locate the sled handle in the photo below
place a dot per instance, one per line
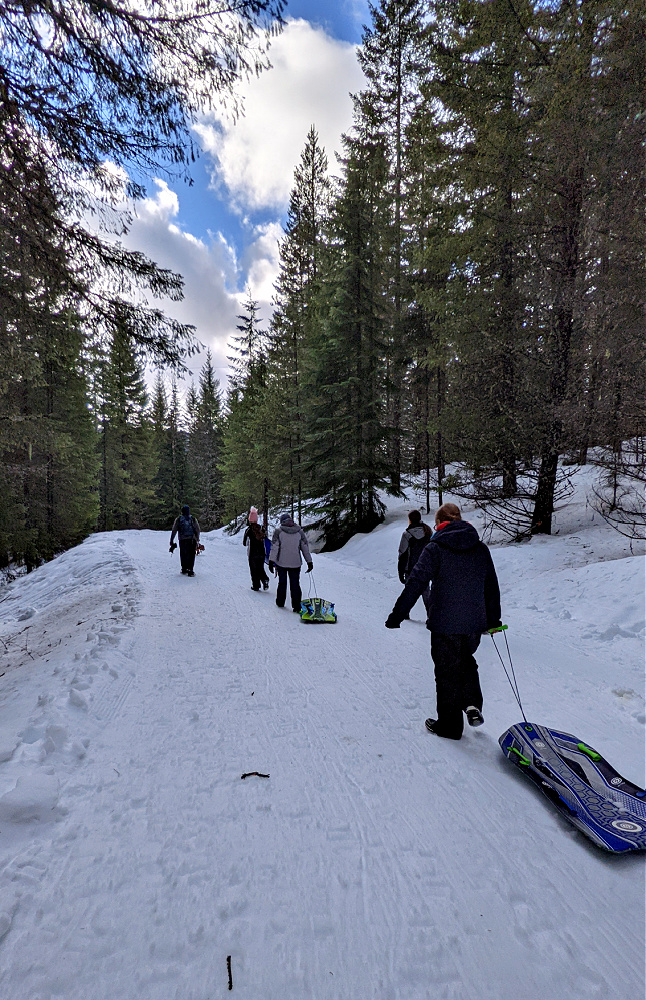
(500, 628)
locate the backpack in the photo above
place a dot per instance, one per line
(256, 539)
(185, 527)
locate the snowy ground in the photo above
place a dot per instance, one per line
(376, 862)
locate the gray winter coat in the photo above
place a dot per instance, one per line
(410, 548)
(287, 544)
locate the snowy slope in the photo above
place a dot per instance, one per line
(376, 862)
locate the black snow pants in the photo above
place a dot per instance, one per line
(187, 547)
(457, 684)
(294, 587)
(257, 570)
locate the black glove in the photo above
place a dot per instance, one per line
(392, 622)
(172, 547)
(310, 567)
(271, 567)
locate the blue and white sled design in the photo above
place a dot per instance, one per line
(316, 611)
(589, 792)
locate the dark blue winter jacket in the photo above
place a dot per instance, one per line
(465, 597)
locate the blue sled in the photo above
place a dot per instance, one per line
(585, 788)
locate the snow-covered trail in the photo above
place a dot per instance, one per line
(375, 862)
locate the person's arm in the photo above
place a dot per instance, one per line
(174, 531)
(274, 553)
(402, 557)
(492, 595)
(305, 549)
(196, 529)
(420, 576)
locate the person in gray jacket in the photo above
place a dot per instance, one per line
(288, 543)
(412, 544)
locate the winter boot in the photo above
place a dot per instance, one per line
(474, 716)
(431, 725)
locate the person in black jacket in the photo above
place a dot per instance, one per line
(412, 544)
(188, 531)
(254, 537)
(465, 602)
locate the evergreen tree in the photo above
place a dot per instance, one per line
(392, 60)
(346, 378)
(127, 459)
(243, 464)
(293, 319)
(204, 447)
(484, 67)
(46, 434)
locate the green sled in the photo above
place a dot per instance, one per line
(316, 611)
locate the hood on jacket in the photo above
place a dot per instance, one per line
(419, 531)
(290, 527)
(287, 522)
(457, 535)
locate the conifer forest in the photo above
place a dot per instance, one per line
(461, 297)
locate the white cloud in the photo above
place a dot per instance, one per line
(210, 271)
(310, 81)
(260, 263)
(164, 205)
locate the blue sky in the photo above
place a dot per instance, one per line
(222, 232)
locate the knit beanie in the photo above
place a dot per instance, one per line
(253, 516)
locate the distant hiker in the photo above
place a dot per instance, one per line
(254, 538)
(413, 542)
(288, 543)
(188, 531)
(465, 602)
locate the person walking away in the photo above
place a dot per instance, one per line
(287, 546)
(413, 541)
(188, 532)
(254, 539)
(465, 602)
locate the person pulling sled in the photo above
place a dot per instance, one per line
(288, 543)
(188, 532)
(254, 539)
(464, 603)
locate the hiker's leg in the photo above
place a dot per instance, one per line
(281, 591)
(295, 588)
(470, 681)
(445, 651)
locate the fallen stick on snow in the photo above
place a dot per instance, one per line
(249, 773)
(229, 971)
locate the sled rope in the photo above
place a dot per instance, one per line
(513, 683)
(312, 583)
